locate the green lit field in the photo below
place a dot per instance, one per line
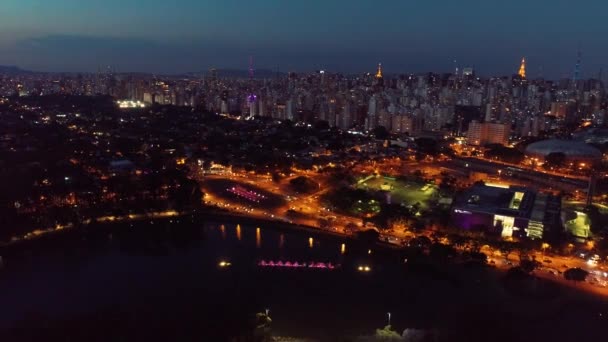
(579, 225)
(406, 192)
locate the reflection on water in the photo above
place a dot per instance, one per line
(238, 232)
(258, 238)
(140, 260)
(183, 275)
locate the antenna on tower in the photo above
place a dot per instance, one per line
(577, 67)
(250, 67)
(252, 97)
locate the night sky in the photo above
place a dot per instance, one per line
(349, 36)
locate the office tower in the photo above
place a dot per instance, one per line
(577, 68)
(290, 110)
(345, 119)
(372, 108)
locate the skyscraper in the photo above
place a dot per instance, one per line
(577, 69)
(252, 97)
(370, 121)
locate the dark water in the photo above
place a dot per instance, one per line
(162, 282)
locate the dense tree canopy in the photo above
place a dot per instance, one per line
(555, 159)
(505, 154)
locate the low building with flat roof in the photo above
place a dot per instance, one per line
(506, 211)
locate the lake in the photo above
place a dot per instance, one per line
(161, 281)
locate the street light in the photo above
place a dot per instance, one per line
(389, 318)
(543, 247)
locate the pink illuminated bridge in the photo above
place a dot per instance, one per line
(289, 264)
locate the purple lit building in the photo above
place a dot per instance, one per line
(506, 211)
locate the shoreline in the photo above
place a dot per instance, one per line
(205, 216)
(201, 216)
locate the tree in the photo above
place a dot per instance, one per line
(479, 257)
(276, 177)
(369, 236)
(381, 133)
(322, 125)
(505, 154)
(556, 159)
(427, 146)
(262, 330)
(576, 274)
(528, 265)
(387, 334)
(419, 225)
(421, 241)
(441, 252)
(506, 247)
(304, 184)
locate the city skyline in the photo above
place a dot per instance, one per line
(275, 170)
(192, 36)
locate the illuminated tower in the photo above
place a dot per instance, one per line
(522, 68)
(379, 72)
(250, 68)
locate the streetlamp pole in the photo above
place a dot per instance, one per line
(389, 318)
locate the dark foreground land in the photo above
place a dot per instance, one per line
(160, 281)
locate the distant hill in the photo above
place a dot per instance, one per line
(222, 73)
(12, 70)
(236, 73)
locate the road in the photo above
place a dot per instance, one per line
(303, 209)
(308, 212)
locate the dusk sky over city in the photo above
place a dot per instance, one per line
(406, 36)
(303, 171)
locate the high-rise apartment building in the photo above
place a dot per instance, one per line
(480, 134)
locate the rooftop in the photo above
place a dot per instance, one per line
(571, 148)
(497, 200)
